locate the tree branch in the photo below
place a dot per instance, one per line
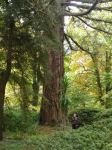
(67, 37)
(98, 20)
(95, 28)
(90, 1)
(87, 7)
(69, 43)
(83, 13)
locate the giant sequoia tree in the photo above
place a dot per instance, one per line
(51, 111)
(53, 89)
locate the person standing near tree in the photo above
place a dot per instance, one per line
(74, 121)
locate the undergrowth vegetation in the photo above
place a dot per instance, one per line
(94, 136)
(16, 121)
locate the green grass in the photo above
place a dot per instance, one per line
(97, 136)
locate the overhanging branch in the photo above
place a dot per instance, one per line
(82, 6)
(83, 13)
(68, 38)
(90, 1)
(98, 20)
(95, 28)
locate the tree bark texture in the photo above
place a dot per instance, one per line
(4, 76)
(51, 112)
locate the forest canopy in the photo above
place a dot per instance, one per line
(55, 60)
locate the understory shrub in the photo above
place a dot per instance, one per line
(85, 116)
(97, 136)
(16, 121)
(103, 114)
(94, 136)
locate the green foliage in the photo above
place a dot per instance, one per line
(104, 114)
(16, 121)
(96, 136)
(80, 99)
(65, 100)
(85, 116)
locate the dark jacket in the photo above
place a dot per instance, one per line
(74, 122)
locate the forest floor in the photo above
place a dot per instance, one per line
(96, 136)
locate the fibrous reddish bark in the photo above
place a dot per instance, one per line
(51, 112)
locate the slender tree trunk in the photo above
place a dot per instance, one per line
(35, 84)
(2, 95)
(108, 77)
(25, 100)
(24, 96)
(51, 112)
(3, 81)
(98, 80)
(108, 70)
(4, 76)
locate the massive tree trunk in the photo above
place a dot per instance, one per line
(51, 112)
(51, 108)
